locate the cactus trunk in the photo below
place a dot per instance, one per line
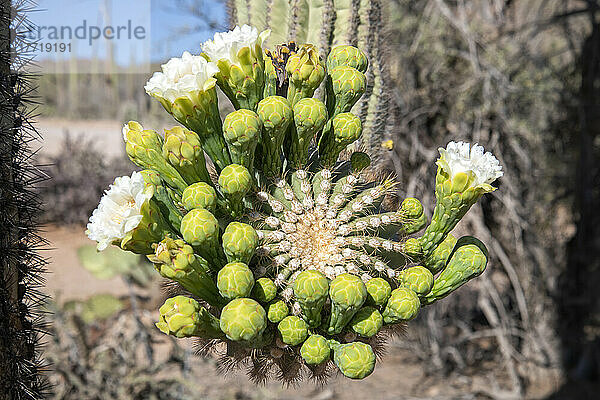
(20, 265)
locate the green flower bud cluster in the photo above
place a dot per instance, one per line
(280, 245)
(305, 73)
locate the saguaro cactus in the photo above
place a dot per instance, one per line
(20, 264)
(293, 257)
(327, 24)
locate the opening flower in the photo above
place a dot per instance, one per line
(182, 76)
(226, 45)
(458, 157)
(119, 211)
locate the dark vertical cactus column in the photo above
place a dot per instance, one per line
(20, 265)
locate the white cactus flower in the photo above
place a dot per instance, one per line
(182, 77)
(119, 211)
(461, 157)
(226, 45)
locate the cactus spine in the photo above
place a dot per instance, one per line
(20, 264)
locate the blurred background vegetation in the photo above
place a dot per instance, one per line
(521, 77)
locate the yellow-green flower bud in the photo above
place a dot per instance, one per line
(417, 279)
(311, 289)
(346, 85)
(183, 150)
(346, 129)
(411, 208)
(367, 322)
(276, 116)
(277, 310)
(175, 259)
(199, 195)
(293, 330)
(403, 305)
(264, 290)
(201, 230)
(412, 216)
(235, 280)
(235, 182)
(468, 261)
(378, 291)
(348, 56)
(438, 258)
(241, 129)
(305, 72)
(412, 248)
(315, 350)
(348, 293)
(239, 242)
(355, 360)
(144, 148)
(181, 317)
(310, 116)
(243, 319)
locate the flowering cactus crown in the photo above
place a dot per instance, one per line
(285, 246)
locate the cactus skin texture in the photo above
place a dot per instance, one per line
(289, 252)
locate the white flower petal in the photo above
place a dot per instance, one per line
(119, 211)
(226, 45)
(182, 76)
(461, 157)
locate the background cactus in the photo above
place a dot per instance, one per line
(300, 243)
(327, 24)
